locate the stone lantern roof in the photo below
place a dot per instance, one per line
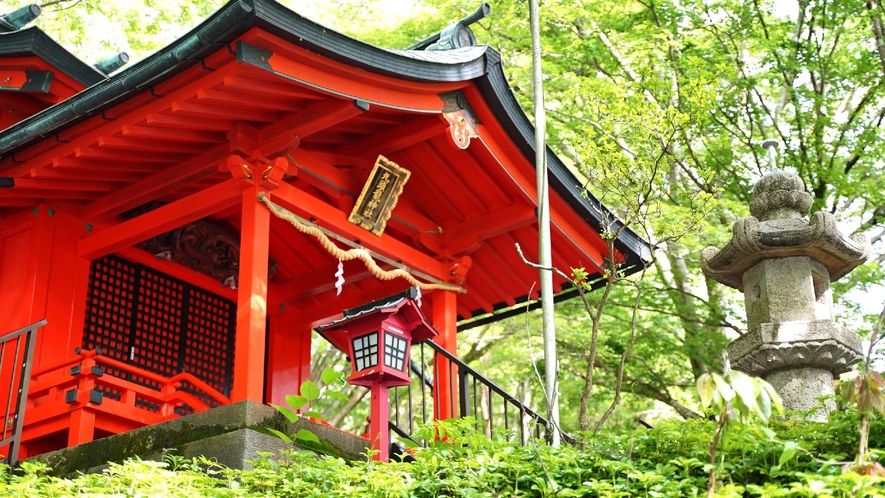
(778, 229)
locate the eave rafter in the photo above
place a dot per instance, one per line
(413, 131)
(157, 185)
(132, 120)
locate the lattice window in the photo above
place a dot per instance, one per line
(160, 324)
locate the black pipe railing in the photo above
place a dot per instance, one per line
(20, 344)
(499, 413)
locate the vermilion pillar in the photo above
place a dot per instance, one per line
(445, 375)
(288, 357)
(251, 300)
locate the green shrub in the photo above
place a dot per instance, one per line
(791, 459)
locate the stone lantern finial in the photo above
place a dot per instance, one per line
(784, 265)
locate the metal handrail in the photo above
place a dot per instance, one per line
(464, 370)
(466, 376)
(18, 409)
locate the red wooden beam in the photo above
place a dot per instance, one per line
(247, 101)
(316, 118)
(22, 106)
(208, 111)
(15, 193)
(317, 282)
(388, 92)
(155, 186)
(127, 157)
(132, 144)
(25, 81)
(161, 220)
(135, 112)
(491, 224)
(388, 141)
(74, 185)
(280, 88)
(75, 174)
(180, 122)
(590, 248)
(157, 133)
(99, 165)
(72, 174)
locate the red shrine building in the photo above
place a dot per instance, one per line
(183, 224)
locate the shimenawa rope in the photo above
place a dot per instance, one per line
(350, 254)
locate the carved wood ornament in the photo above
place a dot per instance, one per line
(201, 246)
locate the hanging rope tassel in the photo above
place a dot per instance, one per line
(340, 276)
(356, 253)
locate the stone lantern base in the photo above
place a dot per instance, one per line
(799, 358)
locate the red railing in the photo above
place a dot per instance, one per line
(92, 395)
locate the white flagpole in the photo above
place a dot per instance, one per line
(551, 363)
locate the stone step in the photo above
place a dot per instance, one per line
(232, 435)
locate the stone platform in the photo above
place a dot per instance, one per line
(232, 435)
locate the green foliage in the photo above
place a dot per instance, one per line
(665, 461)
(307, 404)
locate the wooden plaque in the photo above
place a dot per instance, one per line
(379, 196)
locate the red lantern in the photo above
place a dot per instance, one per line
(378, 337)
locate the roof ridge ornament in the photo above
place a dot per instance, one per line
(18, 18)
(456, 35)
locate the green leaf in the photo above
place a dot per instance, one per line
(847, 391)
(337, 395)
(747, 390)
(763, 404)
(310, 390)
(705, 389)
(312, 414)
(330, 376)
(789, 450)
(292, 416)
(722, 388)
(280, 435)
(306, 435)
(295, 401)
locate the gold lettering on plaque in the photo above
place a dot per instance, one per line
(379, 196)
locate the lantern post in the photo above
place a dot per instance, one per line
(377, 337)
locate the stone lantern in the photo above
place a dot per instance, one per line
(784, 264)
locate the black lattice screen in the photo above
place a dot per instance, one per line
(160, 324)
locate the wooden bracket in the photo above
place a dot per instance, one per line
(273, 173)
(247, 173)
(459, 269)
(243, 172)
(462, 126)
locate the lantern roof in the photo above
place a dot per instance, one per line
(405, 303)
